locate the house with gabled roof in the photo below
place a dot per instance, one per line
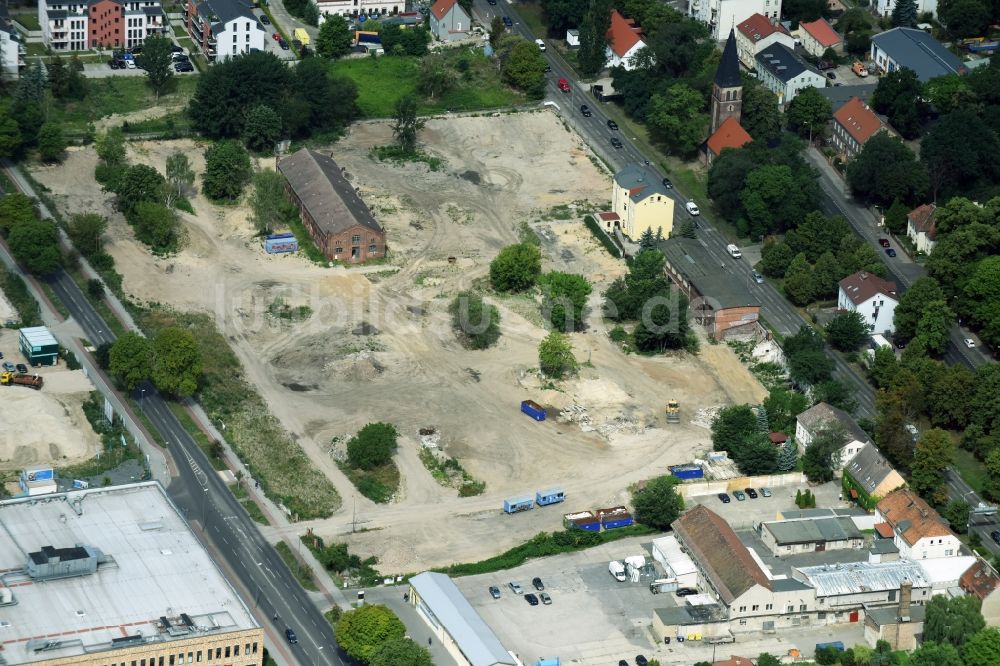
(818, 36)
(223, 29)
(920, 227)
(915, 50)
(625, 41)
(448, 21)
(981, 580)
(820, 415)
(729, 135)
(641, 202)
(869, 477)
(785, 74)
(918, 530)
(854, 124)
(755, 34)
(871, 296)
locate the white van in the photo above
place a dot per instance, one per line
(733, 251)
(540, 44)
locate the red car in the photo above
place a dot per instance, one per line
(276, 36)
(563, 85)
(884, 242)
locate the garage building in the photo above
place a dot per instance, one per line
(38, 346)
(807, 535)
(676, 563)
(455, 622)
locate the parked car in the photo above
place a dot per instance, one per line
(176, 48)
(685, 591)
(889, 251)
(494, 591)
(536, 582)
(531, 599)
(970, 343)
(640, 660)
(113, 64)
(22, 368)
(8, 366)
(548, 68)
(276, 36)
(724, 498)
(616, 142)
(540, 44)
(136, 49)
(264, 19)
(692, 208)
(130, 64)
(612, 125)
(290, 635)
(831, 75)
(492, 3)
(757, 277)
(563, 85)
(667, 184)
(739, 495)
(515, 588)
(884, 242)
(546, 599)
(507, 22)
(996, 536)
(585, 110)
(751, 493)
(283, 44)
(183, 67)
(766, 492)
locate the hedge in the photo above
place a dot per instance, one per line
(602, 237)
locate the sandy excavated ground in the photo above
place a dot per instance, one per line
(44, 427)
(379, 346)
(7, 312)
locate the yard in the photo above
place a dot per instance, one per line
(28, 19)
(385, 80)
(119, 95)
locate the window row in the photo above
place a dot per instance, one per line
(192, 657)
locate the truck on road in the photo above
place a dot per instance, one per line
(19, 379)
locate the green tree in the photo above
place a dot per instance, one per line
(898, 95)
(776, 198)
(524, 68)
(799, 285)
(319, 102)
(826, 276)
(912, 304)
(934, 327)
(176, 362)
(663, 324)
(137, 184)
(676, 119)
(890, 427)
(982, 299)
(657, 504)
(373, 446)
(16, 208)
(516, 267)
(965, 18)
(110, 148)
(775, 258)
(35, 245)
(950, 93)
(400, 652)
(982, 648)
(782, 407)
(435, 78)
(757, 456)
(561, 15)
(360, 632)
(883, 655)
(803, 10)
(406, 124)
(952, 621)
(847, 331)
(262, 128)
(180, 177)
(477, 322)
(156, 226)
(933, 453)
(564, 300)
(497, 30)
(85, 230)
(883, 367)
(788, 456)
(760, 116)
(904, 14)
(157, 60)
(958, 151)
(809, 113)
(268, 206)
(594, 27)
(886, 171)
(51, 142)
(895, 217)
(555, 356)
(131, 359)
(334, 39)
(644, 286)
(10, 133)
(957, 515)
(767, 659)
(227, 171)
(732, 427)
(822, 455)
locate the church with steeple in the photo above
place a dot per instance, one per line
(727, 102)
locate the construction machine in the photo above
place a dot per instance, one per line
(673, 412)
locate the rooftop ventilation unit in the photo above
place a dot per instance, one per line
(51, 562)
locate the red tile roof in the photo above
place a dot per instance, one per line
(859, 121)
(863, 285)
(822, 32)
(911, 517)
(980, 579)
(757, 27)
(729, 135)
(608, 217)
(884, 530)
(622, 35)
(922, 218)
(777, 437)
(734, 661)
(442, 7)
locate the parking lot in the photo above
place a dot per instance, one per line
(749, 512)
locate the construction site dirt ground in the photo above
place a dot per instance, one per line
(378, 345)
(46, 427)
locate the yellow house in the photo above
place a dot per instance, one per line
(641, 202)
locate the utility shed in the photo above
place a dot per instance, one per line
(807, 535)
(455, 622)
(38, 346)
(676, 563)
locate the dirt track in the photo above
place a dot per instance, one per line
(380, 347)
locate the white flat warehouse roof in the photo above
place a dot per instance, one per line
(152, 566)
(38, 336)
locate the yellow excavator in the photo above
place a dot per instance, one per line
(673, 412)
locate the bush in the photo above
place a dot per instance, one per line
(373, 446)
(477, 323)
(516, 267)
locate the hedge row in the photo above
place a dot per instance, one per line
(602, 237)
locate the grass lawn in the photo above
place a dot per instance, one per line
(119, 95)
(970, 469)
(533, 17)
(385, 80)
(28, 19)
(251, 507)
(302, 573)
(379, 484)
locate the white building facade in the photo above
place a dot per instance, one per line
(871, 296)
(354, 8)
(722, 15)
(63, 24)
(11, 53)
(885, 7)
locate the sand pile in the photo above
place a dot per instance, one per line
(40, 429)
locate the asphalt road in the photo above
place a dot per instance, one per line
(208, 503)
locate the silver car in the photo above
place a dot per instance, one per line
(515, 588)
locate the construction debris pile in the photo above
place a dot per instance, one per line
(576, 413)
(704, 416)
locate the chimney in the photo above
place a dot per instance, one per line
(905, 594)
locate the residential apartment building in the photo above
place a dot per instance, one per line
(355, 8)
(722, 15)
(12, 51)
(919, 532)
(921, 229)
(624, 42)
(823, 415)
(853, 124)
(757, 33)
(871, 296)
(885, 7)
(785, 74)
(916, 50)
(641, 202)
(224, 28)
(818, 36)
(68, 26)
